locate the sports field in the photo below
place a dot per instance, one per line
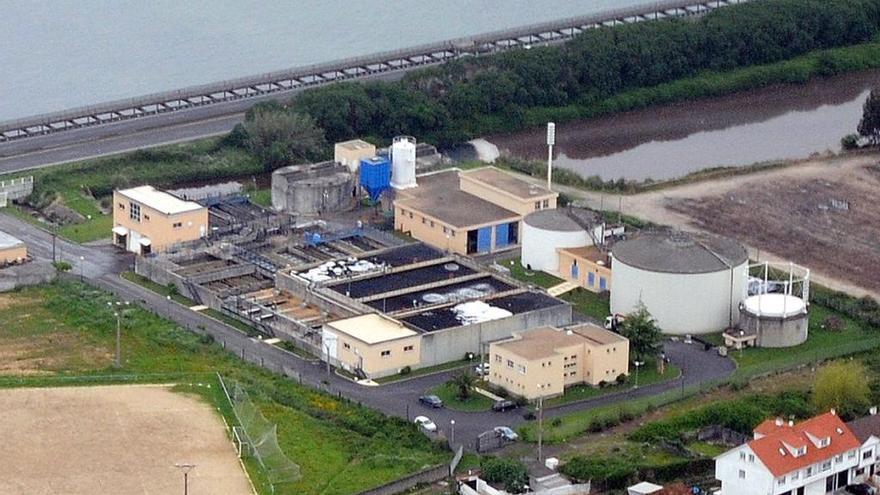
(120, 439)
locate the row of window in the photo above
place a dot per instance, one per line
(384, 353)
(542, 204)
(428, 222)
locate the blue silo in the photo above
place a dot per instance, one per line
(375, 176)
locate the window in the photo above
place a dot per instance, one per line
(134, 211)
(498, 358)
(424, 220)
(432, 224)
(839, 458)
(751, 457)
(445, 230)
(851, 454)
(177, 225)
(121, 206)
(825, 466)
(808, 472)
(795, 475)
(509, 363)
(146, 217)
(742, 474)
(410, 215)
(453, 232)
(867, 455)
(346, 345)
(781, 481)
(408, 348)
(521, 369)
(386, 353)
(537, 205)
(546, 203)
(742, 456)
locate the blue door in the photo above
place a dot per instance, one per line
(484, 240)
(574, 270)
(502, 232)
(591, 279)
(602, 283)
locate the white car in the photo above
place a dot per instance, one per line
(506, 433)
(425, 423)
(482, 369)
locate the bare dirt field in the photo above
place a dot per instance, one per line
(823, 213)
(113, 439)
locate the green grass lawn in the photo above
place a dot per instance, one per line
(589, 303)
(707, 449)
(821, 344)
(262, 197)
(648, 375)
(449, 395)
(452, 365)
(66, 329)
(95, 229)
(534, 277)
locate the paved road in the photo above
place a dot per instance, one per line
(128, 135)
(101, 266)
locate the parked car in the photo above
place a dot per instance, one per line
(506, 433)
(482, 369)
(425, 423)
(861, 489)
(613, 322)
(503, 405)
(431, 401)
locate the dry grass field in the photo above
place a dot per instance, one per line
(114, 439)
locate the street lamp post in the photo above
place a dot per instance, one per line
(168, 299)
(452, 434)
(638, 364)
(186, 468)
(82, 260)
(117, 312)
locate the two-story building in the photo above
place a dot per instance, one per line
(544, 361)
(146, 219)
(469, 212)
(813, 457)
(867, 430)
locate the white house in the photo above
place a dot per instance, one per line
(867, 430)
(813, 457)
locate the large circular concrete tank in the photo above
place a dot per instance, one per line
(690, 283)
(403, 162)
(543, 232)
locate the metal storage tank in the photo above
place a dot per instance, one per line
(375, 176)
(778, 320)
(690, 283)
(546, 230)
(403, 162)
(313, 188)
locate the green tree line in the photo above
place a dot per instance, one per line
(478, 95)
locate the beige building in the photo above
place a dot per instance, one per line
(373, 343)
(473, 212)
(350, 153)
(589, 266)
(542, 362)
(12, 249)
(146, 219)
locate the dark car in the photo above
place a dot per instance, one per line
(861, 489)
(503, 405)
(431, 401)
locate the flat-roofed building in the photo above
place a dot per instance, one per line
(507, 190)
(12, 249)
(350, 153)
(589, 266)
(146, 219)
(544, 361)
(474, 212)
(372, 343)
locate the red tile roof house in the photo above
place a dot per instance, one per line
(813, 457)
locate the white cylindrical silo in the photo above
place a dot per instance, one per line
(403, 162)
(546, 230)
(690, 283)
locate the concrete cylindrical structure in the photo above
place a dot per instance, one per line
(546, 230)
(778, 320)
(403, 162)
(313, 189)
(690, 283)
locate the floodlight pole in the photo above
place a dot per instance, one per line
(551, 140)
(540, 428)
(186, 468)
(637, 364)
(118, 332)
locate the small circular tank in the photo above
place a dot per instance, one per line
(778, 320)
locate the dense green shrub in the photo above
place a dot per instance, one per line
(511, 474)
(512, 90)
(865, 309)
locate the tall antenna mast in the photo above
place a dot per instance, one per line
(551, 140)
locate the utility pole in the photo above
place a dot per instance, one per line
(551, 140)
(540, 428)
(186, 468)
